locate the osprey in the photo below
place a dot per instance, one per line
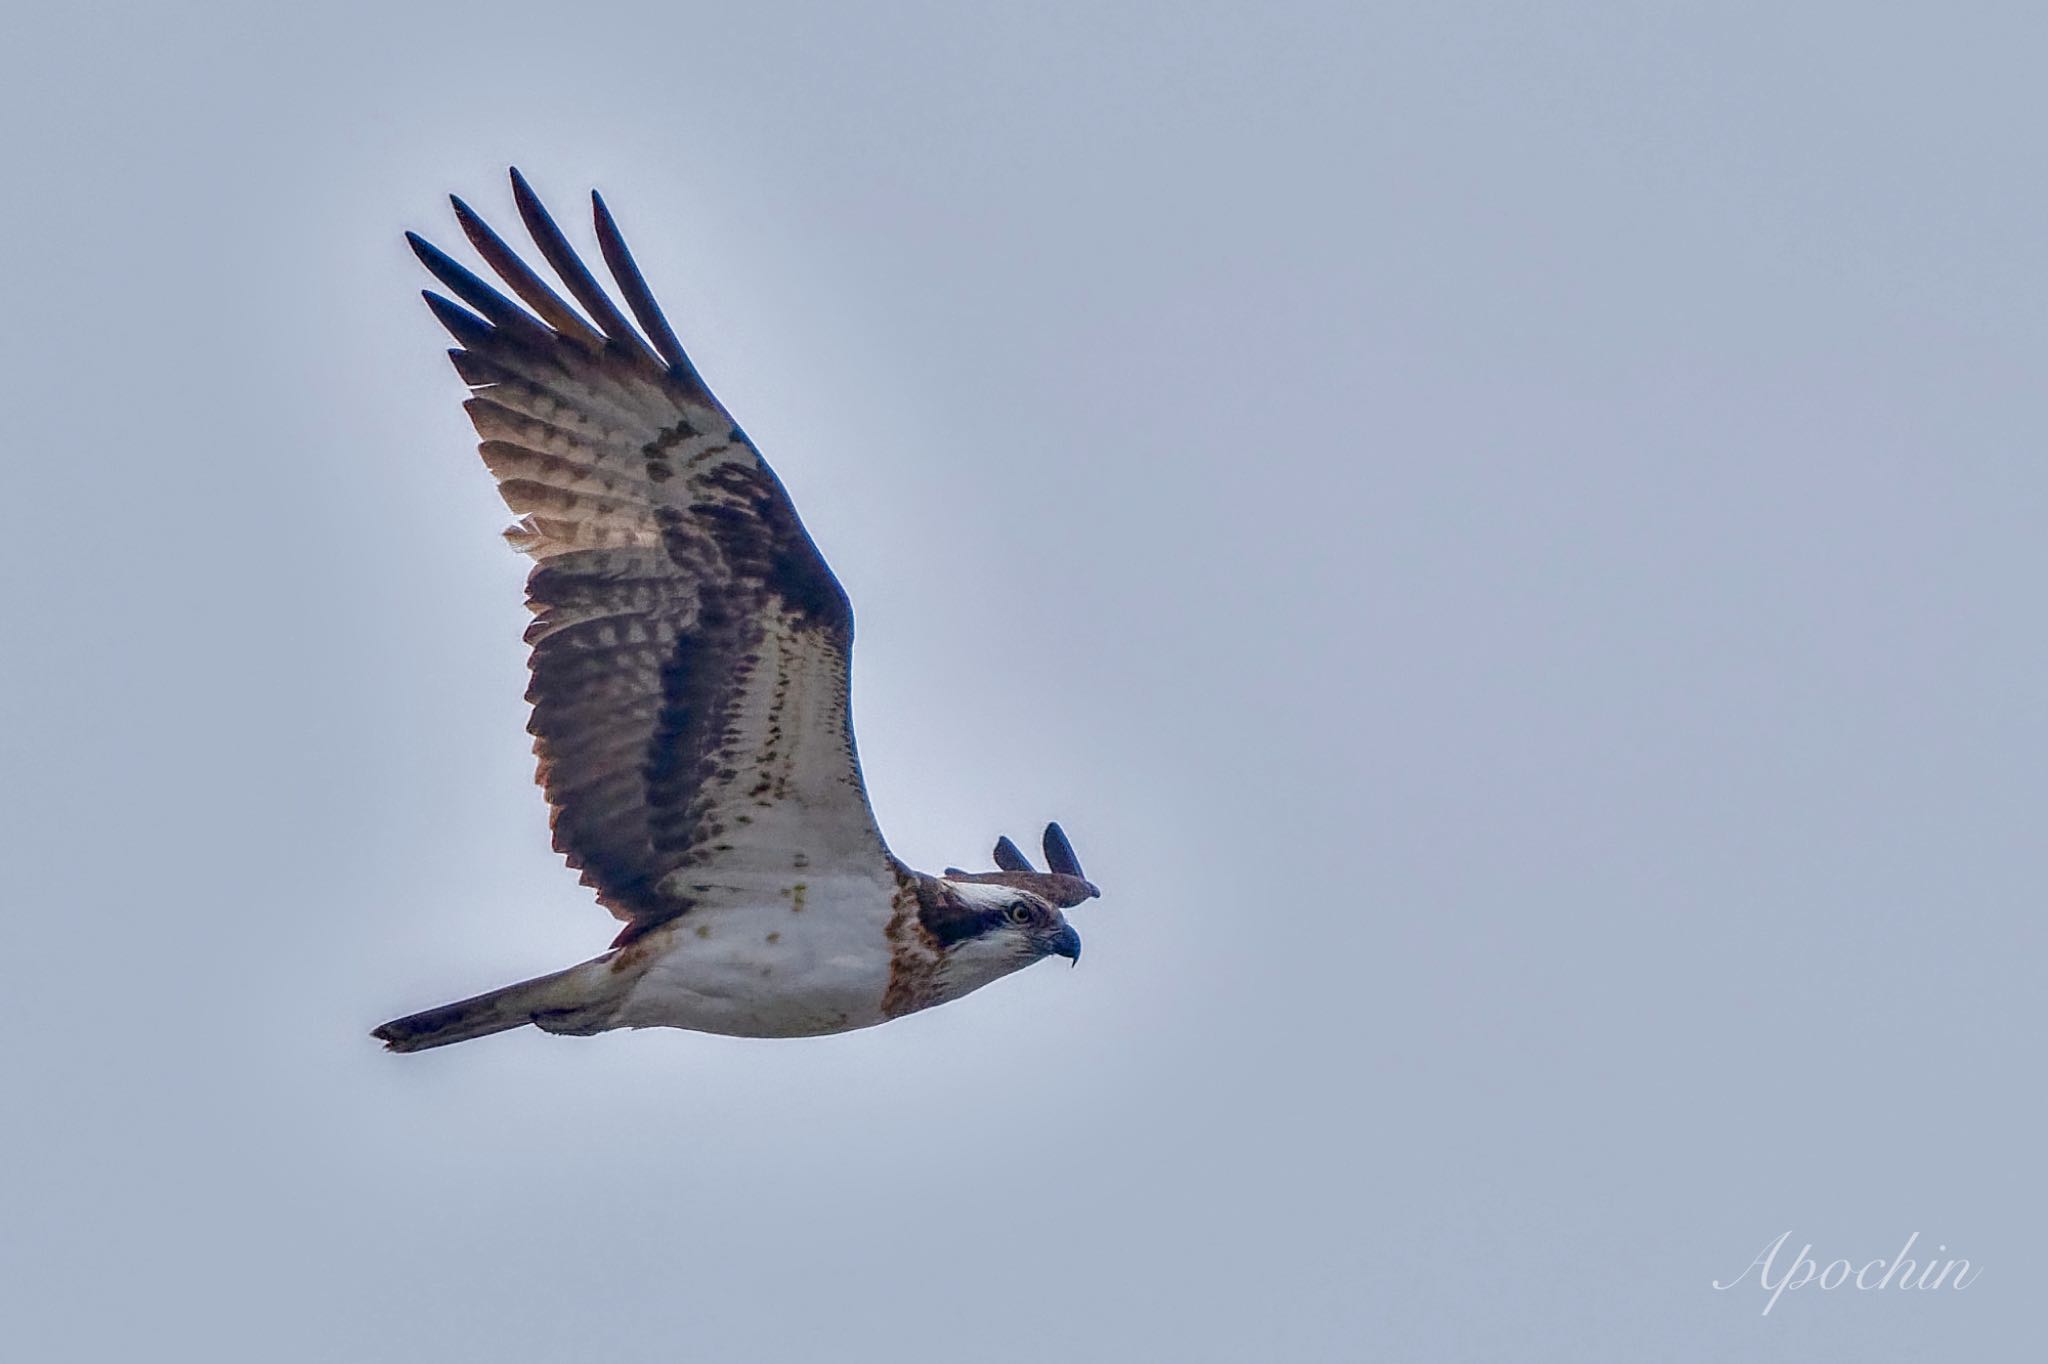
(690, 692)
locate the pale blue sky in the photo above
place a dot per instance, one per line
(1511, 536)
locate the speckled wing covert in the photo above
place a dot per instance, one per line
(690, 648)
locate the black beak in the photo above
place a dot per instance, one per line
(1068, 944)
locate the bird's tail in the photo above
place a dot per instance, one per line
(561, 1002)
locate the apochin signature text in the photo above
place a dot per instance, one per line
(1871, 1276)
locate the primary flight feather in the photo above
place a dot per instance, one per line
(690, 674)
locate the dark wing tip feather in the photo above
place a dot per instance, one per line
(531, 288)
(501, 311)
(639, 297)
(449, 271)
(465, 326)
(582, 285)
(1059, 852)
(1010, 858)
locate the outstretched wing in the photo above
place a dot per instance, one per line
(690, 648)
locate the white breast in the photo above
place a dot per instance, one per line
(790, 960)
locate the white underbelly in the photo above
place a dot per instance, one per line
(781, 965)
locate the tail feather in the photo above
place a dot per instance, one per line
(551, 1000)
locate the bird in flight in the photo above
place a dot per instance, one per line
(690, 669)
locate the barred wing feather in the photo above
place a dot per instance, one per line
(690, 647)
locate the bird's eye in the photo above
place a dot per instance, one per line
(1018, 912)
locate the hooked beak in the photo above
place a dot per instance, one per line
(1068, 944)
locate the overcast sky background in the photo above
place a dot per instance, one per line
(1511, 536)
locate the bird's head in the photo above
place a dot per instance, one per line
(997, 922)
(997, 930)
